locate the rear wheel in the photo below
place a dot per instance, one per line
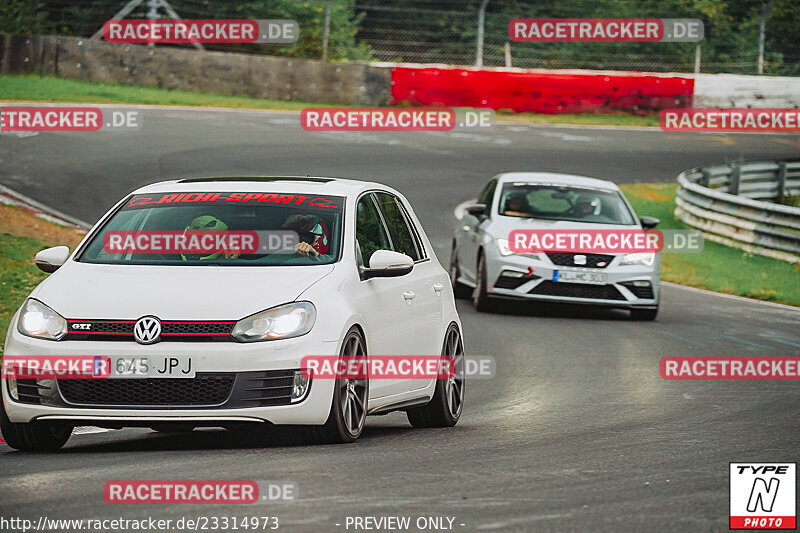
(445, 407)
(480, 298)
(460, 291)
(33, 436)
(349, 405)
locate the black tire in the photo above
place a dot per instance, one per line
(33, 436)
(460, 291)
(644, 314)
(480, 298)
(447, 403)
(340, 428)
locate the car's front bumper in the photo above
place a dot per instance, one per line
(244, 361)
(523, 277)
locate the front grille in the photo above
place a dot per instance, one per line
(577, 290)
(29, 391)
(202, 390)
(263, 389)
(509, 282)
(640, 292)
(171, 331)
(592, 260)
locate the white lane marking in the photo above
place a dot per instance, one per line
(687, 396)
(731, 296)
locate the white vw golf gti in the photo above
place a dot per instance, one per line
(217, 339)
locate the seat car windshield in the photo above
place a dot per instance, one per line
(168, 221)
(555, 202)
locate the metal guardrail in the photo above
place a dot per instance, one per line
(734, 204)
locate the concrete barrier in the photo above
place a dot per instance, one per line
(259, 76)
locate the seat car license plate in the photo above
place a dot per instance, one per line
(580, 276)
(152, 366)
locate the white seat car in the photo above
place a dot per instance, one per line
(363, 279)
(483, 263)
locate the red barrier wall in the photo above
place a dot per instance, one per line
(541, 91)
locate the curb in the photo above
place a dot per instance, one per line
(11, 197)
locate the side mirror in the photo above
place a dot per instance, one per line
(387, 264)
(476, 210)
(649, 222)
(51, 259)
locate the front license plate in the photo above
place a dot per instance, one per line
(578, 276)
(152, 366)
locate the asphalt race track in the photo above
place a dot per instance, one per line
(576, 432)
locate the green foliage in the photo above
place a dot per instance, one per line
(22, 16)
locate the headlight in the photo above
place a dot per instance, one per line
(282, 322)
(39, 321)
(502, 245)
(639, 258)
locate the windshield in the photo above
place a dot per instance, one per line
(314, 222)
(555, 202)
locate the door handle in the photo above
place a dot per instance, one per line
(409, 295)
(466, 228)
(437, 288)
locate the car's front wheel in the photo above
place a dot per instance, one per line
(350, 394)
(460, 291)
(644, 314)
(445, 407)
(33, 436)
(480, 298)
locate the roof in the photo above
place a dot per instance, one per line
(556, 178)
(289, 184)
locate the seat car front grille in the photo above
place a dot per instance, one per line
(592, 260)
(577, 290)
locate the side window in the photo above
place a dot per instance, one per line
(402, 236)
(370, 233)
(488, 193)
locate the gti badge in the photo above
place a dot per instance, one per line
(147, 330)
(579, 259)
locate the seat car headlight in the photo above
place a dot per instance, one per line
(282, 322)
(39, 321)
(505, 250)
(639, 258)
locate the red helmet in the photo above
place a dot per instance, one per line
(310, 227)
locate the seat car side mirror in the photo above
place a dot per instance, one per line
(649, 222)
(51, 259)
(476, 210)
(387, 264)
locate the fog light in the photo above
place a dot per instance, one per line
(12, 388)
(640, 283)
(300, 385)
(512, 274)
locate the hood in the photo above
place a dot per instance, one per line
(123, 292)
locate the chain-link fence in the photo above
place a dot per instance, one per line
(446, 31)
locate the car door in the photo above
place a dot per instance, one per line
(428, 280)
(471, 237)
(388, 303)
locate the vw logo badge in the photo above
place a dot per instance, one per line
(147, 330)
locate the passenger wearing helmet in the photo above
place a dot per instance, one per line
(517, 205)
(207, 223)
(313, 234)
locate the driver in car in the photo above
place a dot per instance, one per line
(517, 206)
(313, 234)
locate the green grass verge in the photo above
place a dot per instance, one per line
(52, 89)
(18, 276)
(718, 267)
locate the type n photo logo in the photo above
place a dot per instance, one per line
(763, 496)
